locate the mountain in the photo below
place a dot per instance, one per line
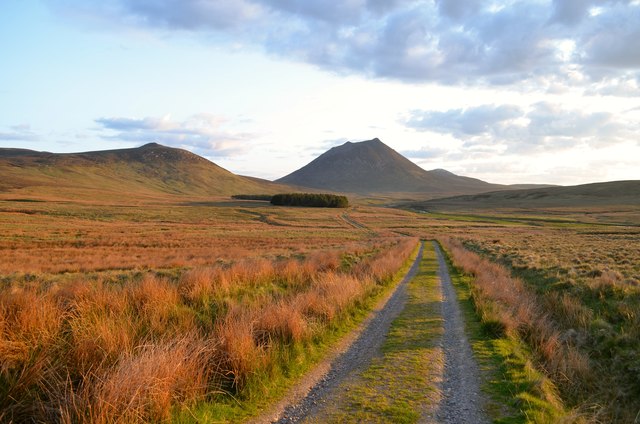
(585, 195)
(372, 167)
(150, 170)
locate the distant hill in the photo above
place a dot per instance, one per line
(372, 167)
(585, 195)
(149, 170)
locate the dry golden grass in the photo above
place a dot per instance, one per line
(581, 299)
(506, 306)
(61, 237)
(115, 284)
(136, 346)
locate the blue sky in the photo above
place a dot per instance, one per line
(537, 91)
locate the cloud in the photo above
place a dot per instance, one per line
(459, 9)
(570, 12)
(201, 133)
(424, 153)
(448, 41)
(21, 132)
(612, 40)
(541, 127)
(463, 122)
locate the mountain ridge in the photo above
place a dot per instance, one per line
(148, 170)
(372, 167)
(624, 192)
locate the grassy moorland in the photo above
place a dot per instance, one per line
(205, 308)
(563, 281)
(174, 311)
(576, 303)
(567, 284)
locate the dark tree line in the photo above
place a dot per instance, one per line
(321, 200)
(265, 197)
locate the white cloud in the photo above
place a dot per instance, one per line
(543, 127)
(201, 133)
(20, 132)
(447, 41)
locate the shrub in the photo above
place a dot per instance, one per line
(310, 199)
(263, 197)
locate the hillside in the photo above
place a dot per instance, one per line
(585, 195)
(150, 170)
(372, 167)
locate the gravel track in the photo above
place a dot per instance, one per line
(461, 402)
(359, 354)
(461, 398)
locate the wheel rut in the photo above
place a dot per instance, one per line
(458, 384)
(356, 356)
(462, 400)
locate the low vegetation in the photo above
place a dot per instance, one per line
(63, 237)
(141, 346)
(160, 290)
(310, 199)
(572, 286)
(261, 197)
(508, 328)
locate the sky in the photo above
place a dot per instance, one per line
(538, 91)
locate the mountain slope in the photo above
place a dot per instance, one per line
(585, 195)
(144, 171)
(373, 167)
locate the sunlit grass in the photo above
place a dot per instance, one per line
(197, 336)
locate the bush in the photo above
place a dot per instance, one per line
(310, 199)
(264, 197)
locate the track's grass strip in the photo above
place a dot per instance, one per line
(516, 392)
(401, 384)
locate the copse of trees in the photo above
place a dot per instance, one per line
(264, 197)
(318, 200)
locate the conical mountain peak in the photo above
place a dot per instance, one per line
(373, 167)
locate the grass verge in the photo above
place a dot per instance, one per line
(400, 385)
(517, 392)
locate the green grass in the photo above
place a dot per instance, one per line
(516, 391)
(401, 383)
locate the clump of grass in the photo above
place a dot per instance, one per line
(583, 282)
(145, 384)
(146, 345)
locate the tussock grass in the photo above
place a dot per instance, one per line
(518, 391)
(512, 314)
(584, 280)
(151, 345)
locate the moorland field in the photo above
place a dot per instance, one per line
(192, 309)
(135, 288)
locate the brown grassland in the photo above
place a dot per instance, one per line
(565, 281)
(179, 310)
(127, 313)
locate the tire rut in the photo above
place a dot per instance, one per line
(462, 400)
(359, 353)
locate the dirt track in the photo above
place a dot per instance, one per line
(461, 402)
(461, 398)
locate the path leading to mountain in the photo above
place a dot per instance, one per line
(355, 224)
(461, 402)
(412, 361)
(352, 354)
